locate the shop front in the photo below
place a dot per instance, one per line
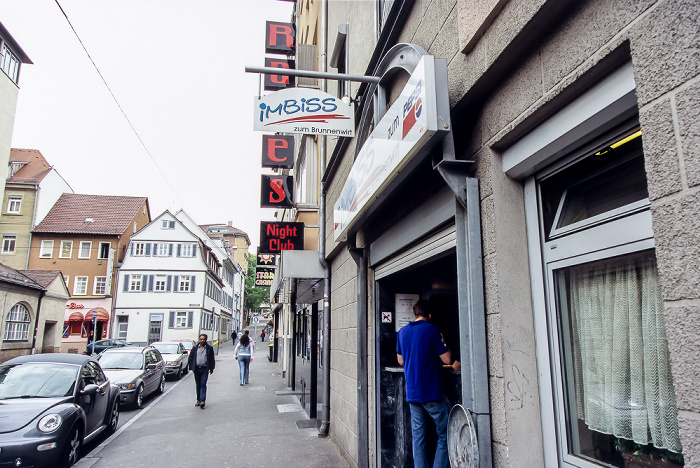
(84, 321)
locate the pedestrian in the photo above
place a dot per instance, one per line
(421, 352)
(244, 355)
(201, 363)
(234, 335)
(262, 335)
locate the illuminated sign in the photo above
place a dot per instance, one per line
(406, 127)
(276, 191)
(303, 110)
(278, 236)
(278, 151)
(266, 259)
(279, 38)
(264, 276)
(277, 82)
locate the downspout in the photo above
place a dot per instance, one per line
(326, 408)
(362, 378)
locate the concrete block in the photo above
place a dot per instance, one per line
(499, 454)
(688, 110)
(483, 172)
(488, 226)
(446, 44)
(689, 426)
(414, 21)
(676, 226)
(491, 284)
(506, 26)
(463, 71)
(664, 45)
(494, 339)
(660, 155)
(683, 336)
(499, 430)
(433, 21)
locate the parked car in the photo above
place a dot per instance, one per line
(51, 405)
(101, 345)
(187, 344)
(138, 371)
(175, 357)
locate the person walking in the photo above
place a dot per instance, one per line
(421, 352)
(201, 362)
(262, 335)
(244, 355)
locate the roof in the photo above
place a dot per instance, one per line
(51, 357)
(21, 54)
(33, 171)
(10, 275)
(42, 277)
(91, 214)
(224, 229)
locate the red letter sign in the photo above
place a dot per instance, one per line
(278, 151)
(276, 191)
(279, 38)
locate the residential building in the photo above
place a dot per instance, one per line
(174, 284)
(85, 237)
(32, 314)
(234, 241)
(31, 189)
(11, 59)
(533, 174)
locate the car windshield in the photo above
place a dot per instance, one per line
(121, 360)
(35, 379)
(167, 348)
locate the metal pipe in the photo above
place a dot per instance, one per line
(362, 377)
(313, 74)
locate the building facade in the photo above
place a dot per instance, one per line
(85, 237)
(233, 240)
(31, 189)
(547, 214)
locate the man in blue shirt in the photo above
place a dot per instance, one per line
(421, 352)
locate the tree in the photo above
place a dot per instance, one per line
(254, 295)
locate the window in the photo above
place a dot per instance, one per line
(46, 250)
(9, 63)
(14, 204)
(66, 249)
(17, 324)
(168, 224)
(85, 247)
(80, 286)
(181, 319)
(164, 250)
(100, 288)
(8, 243)
(135, 284)
(66, 279)
(187, 250)
(185, 283)
(139, 249)
(104, 250)
(160, 283)
(122, 326)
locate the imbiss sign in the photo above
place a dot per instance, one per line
(276, 237)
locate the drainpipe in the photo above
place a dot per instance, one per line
(326, 408)
(362, 383)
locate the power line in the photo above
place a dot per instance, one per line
(118, 104)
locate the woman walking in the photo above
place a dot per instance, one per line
(244, 356)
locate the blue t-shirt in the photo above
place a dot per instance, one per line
(420, 345)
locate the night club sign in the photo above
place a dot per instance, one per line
(278, 236)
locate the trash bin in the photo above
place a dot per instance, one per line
(269, 347)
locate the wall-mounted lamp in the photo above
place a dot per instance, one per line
(339, 45)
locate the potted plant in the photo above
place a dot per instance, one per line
(647, 456)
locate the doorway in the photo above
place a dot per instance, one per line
(155, 329)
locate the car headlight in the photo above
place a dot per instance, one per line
(50, 423)
(126, 386)
(171, 363)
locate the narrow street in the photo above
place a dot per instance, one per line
(246, 426)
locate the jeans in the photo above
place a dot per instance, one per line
(244, 367)
(201, 375)
(439, 411)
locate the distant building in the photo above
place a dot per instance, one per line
(32, 311)
(85, 236)
(234, 241)
(11, 59)
(31, 189)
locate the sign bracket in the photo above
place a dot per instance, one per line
(313, 74)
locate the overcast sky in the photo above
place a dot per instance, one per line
(176, 68)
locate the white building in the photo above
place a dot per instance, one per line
(174, 284)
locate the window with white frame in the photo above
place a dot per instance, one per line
(9, 63)
(187, 250)
(139, 249)
(46, 250)
(167, 224)
(135, 283)
(185, 283)
(9, 242)
(80, 285)
(66, 250)
(160, 283)
(85, 247)
(181, 319)
(122, 326)
(164, 249)
(17, 323)
(103, 254)
(14, 204)
(100, 287)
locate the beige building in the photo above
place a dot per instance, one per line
(233, 240)
(31, 189)
(85, 237)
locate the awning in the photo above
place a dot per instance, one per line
(102, 314)
(304, 269)
(76, 317)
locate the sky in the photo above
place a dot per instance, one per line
(174, 121)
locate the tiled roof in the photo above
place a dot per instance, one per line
(91, 214)
(33, 171)
(226, 229)
(42, 277)
(10, 275)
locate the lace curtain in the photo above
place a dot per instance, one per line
(622, 374)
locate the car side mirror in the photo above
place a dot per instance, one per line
(151, 366)
(90, 389)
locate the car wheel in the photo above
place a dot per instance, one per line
(161, 387)
(114, 417)
(138, 402)
(71, 450)
(180, 373)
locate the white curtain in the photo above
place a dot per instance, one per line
(622, 374)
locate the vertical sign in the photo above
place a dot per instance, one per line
(279, 38)
(277, 82)
(264, 276)
(266, 259)
(276, 191)
(278, 151)
(278, 236)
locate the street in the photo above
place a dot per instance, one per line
(247, 426)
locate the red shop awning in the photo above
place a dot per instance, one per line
(76, 317)
(102, 314)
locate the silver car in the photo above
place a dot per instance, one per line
(175, 357)
(137, 371)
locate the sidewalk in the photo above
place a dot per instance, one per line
(242, 426)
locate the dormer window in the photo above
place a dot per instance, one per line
(167, 224)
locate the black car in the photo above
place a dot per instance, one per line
(138, 371)
(50, 405)
(101, 345)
